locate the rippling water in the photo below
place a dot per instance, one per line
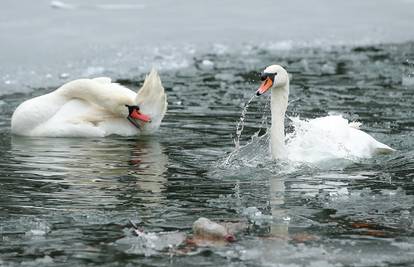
(68, 202)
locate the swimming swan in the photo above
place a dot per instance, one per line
(93, 108)
(330, 129)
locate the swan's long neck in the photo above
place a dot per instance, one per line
(97, 93)
(279, 104)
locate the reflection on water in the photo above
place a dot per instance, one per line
(68, 202)
(74, 170)
(87, 157)
(280, 224)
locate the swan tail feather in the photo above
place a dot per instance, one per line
(152, 85)
(384, 149)
(152, 100)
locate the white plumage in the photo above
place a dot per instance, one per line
(91, 108)
(316, 139)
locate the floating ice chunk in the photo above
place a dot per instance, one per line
(220, 49)
(408, 80)
(46, 260)
(343, 191)
(39, 228)
(150, 243)
(61, 5)
(35, 232)
(120, 6)
(207, 64)
(251, 212)
(256, 216)
(91, 71)
(406, 219)
(8, 82)
(281, 45)
(64, 75)
(340, 192)
(226, 77)
(328, 68)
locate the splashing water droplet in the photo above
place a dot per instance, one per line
(239, 130)
(255, 141)
(240, 124)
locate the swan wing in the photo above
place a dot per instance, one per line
(347, 134)
(75, 118)
(78, 118)
(33, 112)
(331, 137)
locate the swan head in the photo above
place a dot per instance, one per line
(274, 76)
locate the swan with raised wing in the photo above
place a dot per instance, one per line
(93, 108)
(324, 137)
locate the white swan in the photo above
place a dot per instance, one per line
(331, 132)
(93, 108)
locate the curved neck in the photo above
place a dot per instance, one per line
(97, 93)
(279, 104)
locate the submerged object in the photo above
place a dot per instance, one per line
(93, 108)
(331, 136)
(204, 228)
(206, 233)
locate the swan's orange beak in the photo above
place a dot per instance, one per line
(136, 114)
(266, 84)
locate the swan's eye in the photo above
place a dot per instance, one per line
(265, 75)
(132, 108)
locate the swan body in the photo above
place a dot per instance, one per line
(316, 139)
(93, 108)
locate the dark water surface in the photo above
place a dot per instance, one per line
(68, 202)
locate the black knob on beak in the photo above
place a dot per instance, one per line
(263, 76)
(131, 108)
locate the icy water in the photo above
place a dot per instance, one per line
(68, 202)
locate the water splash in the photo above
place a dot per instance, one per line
(303, 148)
(240, 123)
(239, 129)
(256, 147)
(251, 154)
